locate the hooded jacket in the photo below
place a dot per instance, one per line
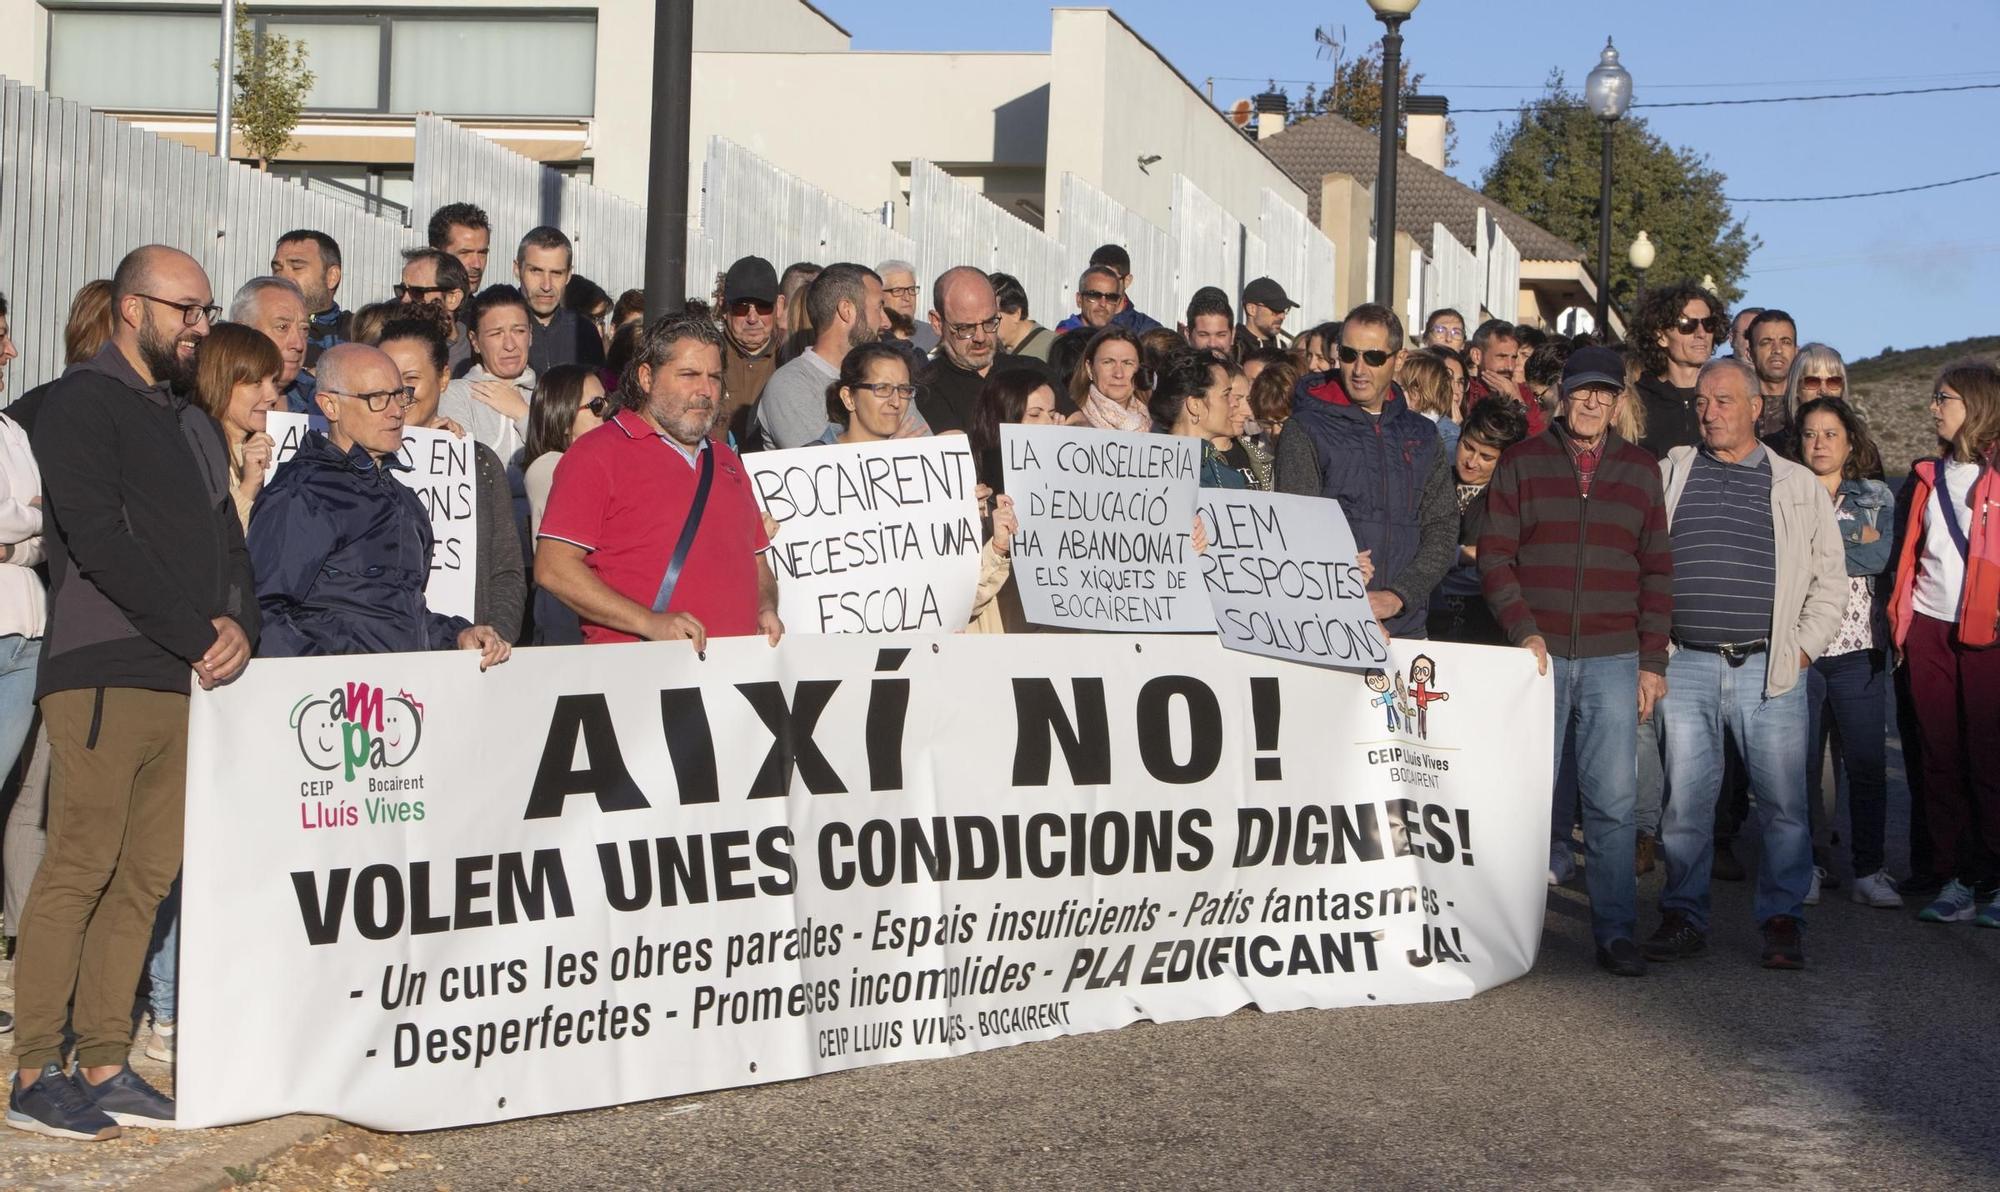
(1670, 417)
(144, 548)
(342, 551)
(1391, 477)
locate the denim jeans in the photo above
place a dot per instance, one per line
(1705, 696)
(19, 656)
(163, 962)
(1652, 777)
(1597, 716)
(1847, 701)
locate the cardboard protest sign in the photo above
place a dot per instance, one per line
(1281, 574)
(872, 537)
(441, 474)
(1107, 527)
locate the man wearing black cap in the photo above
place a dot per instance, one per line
(1113, 261)
(1264, 308)
(749, 340)
(1577, 565)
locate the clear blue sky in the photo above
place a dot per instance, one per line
(1902, 271)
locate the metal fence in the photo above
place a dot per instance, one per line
(1501, 261)
(79, 189)
(457, 165)
(751, 207)
(1299, 257)
(953, 224)
(1454, 278)
(1086, 217)
(1211, 248)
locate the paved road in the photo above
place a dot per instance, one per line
(1876, 1068)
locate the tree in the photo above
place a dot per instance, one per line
(272, 83)
(1354, 93)
(1546, 167)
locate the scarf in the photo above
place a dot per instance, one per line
(1104, 414)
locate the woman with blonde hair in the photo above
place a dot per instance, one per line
(1429, 388)
(1817, 371)
(236, 380)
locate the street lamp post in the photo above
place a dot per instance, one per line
(1392, 13)
(1607, 92)
(1642, 260)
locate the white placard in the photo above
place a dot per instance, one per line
(1282, 576)
(1107, 528)
(441, 473)
(872, 537)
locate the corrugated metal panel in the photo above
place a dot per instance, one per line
(78, 190)
(1501, 261)
(752, 208)
(1087, 218)
(1460, 280)
(1208, 243)
(953, 224)
(1299, 257)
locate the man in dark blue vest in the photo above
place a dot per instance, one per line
(1354, 439)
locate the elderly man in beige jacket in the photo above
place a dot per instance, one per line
(1759, 586)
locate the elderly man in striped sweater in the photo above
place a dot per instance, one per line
(1576, 564)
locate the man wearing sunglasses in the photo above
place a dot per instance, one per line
(1354, 439)
(751, 310)
(137, 489)
(1673, 335)
(1101, 295)
(433, 276)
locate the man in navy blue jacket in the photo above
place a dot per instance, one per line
(1353, 438)
(340, 547)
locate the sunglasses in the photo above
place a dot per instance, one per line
(1373, 358)
(1816, 384)
(1688, 325)
(420, 293)
(1097, 296)
(743, 308)
(598, 406)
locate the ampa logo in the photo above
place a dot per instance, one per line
(358, 727)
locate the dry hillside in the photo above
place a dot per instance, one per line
(1892, 391)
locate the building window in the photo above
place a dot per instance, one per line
(451, 61)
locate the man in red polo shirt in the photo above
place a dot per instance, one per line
(623, 492)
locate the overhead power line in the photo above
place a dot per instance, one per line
(1729, 103)
(1870, 194)
(1650, 86)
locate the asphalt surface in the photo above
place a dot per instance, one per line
(1877, 1067)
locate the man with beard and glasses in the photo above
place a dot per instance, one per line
(623, 543)
(899, 301)
(311, 261)
(276, 307)
(966, 317)
(151, 587)
(750, 322)
(845, 304)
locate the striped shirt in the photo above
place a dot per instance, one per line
(1725, 551)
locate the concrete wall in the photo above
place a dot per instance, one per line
(1114, 99)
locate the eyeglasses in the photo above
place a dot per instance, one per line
(597, 407)
(884, 390)
(963, 331)
(1815, 384)
(378, 401)
(743, 308)
(1688, 325)
(901, 291)
(1374, 358)
(1941, 397)
(1447, 332)
(1593, 397)
(1097, 295)
(191, 312)
(421, 293)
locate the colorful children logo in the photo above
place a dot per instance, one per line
(356, 727)
(1406, 706)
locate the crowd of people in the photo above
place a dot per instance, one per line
(1702, 551)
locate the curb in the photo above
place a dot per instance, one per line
(250, 1147)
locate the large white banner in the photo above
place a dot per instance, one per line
(1107, 528)
(441, 474)
(873, 537)
(419, 896)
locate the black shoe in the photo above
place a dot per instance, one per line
(1726, 867)
(1784, 943)
(6, 1023)
(1676, 939)
(130, 1101)
(1621, 958)
(57, 1106)
(1920, 883)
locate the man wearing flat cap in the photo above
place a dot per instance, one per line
(749, 340)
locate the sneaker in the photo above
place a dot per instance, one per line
(6, 1023)
(1621, 958)
(1784, 943)
(1878, 889)
(1989, 915)
(56, 1106)
(1676, 939)
(1812, 888)
(130, 1100)
(160, 1044)
(1954, 904)
(1645, 854)
(1726, 867)
(1562, 862)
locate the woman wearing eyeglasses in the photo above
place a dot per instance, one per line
(1945, 618)
(1817, 372)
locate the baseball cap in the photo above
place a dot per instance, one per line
(1265, 291)
(753, 278)
(1593, 366)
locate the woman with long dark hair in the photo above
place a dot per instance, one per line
(1010, 395)
(569, 402)
(1846, 686)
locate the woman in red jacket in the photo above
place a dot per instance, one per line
(1946, 618)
